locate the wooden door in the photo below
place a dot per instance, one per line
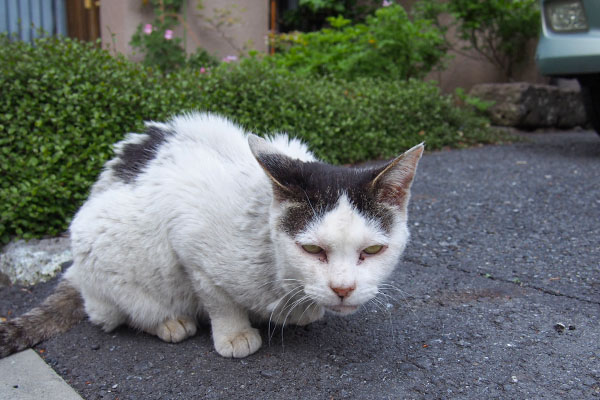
(83, 19)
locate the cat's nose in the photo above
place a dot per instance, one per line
(343, 292)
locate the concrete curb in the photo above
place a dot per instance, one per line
(25, 376)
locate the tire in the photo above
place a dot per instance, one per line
(590, 91)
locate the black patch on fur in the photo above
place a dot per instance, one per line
(314, 188)
(135, 157)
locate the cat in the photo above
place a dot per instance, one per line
(197, 219)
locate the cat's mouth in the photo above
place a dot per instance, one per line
(341, 309)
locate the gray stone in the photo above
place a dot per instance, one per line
(531, 106)
(4, 280)
(28, 263)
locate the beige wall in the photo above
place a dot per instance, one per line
(468, 70)
(119, 20)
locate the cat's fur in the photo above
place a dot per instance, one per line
(197, 219)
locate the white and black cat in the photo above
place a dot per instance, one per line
(196, 219)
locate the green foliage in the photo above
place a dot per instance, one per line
(65, 103)
(498, 30)
(388, 45)
(479, 105)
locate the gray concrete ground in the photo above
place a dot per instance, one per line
(498, 297)
(26, 376)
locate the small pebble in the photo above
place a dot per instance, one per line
(267, 374)
(560, 328)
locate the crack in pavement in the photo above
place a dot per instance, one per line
(505, 280)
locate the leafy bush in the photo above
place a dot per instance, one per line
(388, 45)
(65, 103)
(498, 30)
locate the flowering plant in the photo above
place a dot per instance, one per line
(161, 48)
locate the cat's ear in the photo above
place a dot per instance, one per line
(393, 181)
(276, 165)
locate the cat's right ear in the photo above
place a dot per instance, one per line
(393, 182)
(276, 165)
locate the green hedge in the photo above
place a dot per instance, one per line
(65, 103)
(344, 122)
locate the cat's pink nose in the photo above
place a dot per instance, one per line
(343, 291)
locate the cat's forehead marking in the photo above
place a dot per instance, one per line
(343, 225)
(317, 188)
(135, 156)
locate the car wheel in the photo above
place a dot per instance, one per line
(590, 91)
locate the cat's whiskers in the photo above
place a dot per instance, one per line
(385, 310)
(312, 303)
(290, 295)
(403, 293)
(292, 307)
(379, 304)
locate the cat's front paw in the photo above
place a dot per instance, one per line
(239, 344)
(175, 330)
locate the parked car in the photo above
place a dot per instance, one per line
(569, 47)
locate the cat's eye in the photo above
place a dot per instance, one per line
(373, 249)
(312, 248)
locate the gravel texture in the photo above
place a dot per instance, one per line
(498, 297)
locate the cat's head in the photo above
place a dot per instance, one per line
(338, 232)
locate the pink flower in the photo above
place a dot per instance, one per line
(386, 3)
(202, 70)
(228, 59)
(148, 29)
(168, 34)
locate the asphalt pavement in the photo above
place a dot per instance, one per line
(498, 297)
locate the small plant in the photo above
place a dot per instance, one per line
(388, 45)
(497, 30)
(221, 21)
(161, 49)
(480, 105)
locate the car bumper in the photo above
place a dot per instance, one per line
(569, 54)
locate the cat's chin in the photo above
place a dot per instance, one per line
(341, 309)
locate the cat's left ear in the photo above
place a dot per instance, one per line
(276, 165)
(392, 182)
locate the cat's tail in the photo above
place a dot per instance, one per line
(57, 314)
